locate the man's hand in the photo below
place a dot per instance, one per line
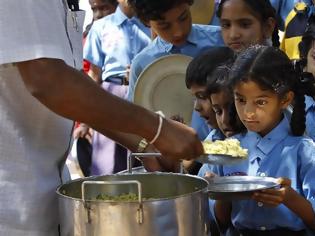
(178, 141)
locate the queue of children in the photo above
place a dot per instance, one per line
(243, 91)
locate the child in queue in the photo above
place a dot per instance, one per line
(247, 22)
(172, 23)
(196, 81)
(307, 64)
(221, 98)
(276, 147)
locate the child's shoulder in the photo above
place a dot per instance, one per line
(206, 29)
(147, 55)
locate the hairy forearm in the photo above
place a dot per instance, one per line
(73, 95)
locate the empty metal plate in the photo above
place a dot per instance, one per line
(238, 187)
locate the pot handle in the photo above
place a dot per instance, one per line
(140, 209)
(89, 182)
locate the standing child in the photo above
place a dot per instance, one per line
(247, 22)
(171, 21)
(196, 80)
(276, 148)
(307, 64)
(111, 44)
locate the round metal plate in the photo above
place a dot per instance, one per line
(161, 87)
(238, 187)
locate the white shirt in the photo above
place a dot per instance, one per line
(33, 140)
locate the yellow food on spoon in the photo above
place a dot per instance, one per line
(229, 147)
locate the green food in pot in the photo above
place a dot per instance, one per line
(120, 198)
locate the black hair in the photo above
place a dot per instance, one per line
(271, 69)
(147, 10)
(218, 81)
(307, 39)
(112, 2)
(261, 8)
(204, 64)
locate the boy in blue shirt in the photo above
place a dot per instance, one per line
(171, 21)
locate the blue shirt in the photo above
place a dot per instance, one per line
(310, 117)
(278, 154)
(114, 41)
(200, 38)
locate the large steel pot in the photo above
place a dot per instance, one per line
(179, 207)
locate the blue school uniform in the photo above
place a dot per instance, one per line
(200, 38)
(310, 117)
(278, 154)
(114, 41)
(111, 44)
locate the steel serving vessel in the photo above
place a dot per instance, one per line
(168, 205)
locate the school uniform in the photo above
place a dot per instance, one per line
(111, 44)
(277, 154)
(114, 41)
(200, 38)
(310, 117)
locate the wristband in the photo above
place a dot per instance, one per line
(158, 132)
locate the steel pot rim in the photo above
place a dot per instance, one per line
(201, 190)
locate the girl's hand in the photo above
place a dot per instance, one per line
(275, 197)
(210, 174)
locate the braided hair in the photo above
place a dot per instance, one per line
(280, 76)
(261, 9)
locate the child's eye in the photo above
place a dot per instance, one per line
(164, 26)
(201, 96)
(217, 111)
(225, 25)
(240, 100)
(261, 102)
(245, 24)
(183, 18)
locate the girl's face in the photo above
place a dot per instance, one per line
(241, 27)
(259, 110)
(310, 67)
(203, 105)
(175, 25)
(221, 103)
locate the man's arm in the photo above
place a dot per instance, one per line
(60, 88)
(95, 73)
